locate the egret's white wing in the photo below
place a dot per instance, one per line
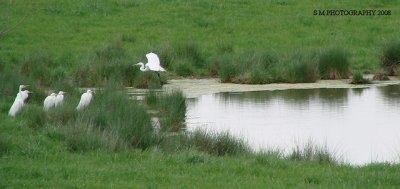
(48, 102)
(16, 107)
(85, 100)
(59, 100)
(153, 62)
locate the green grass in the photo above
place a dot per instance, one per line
(334, 64)
(219, 144)
(91, 42)
(170, 108)
(358, 78)
(112, 143)
(40, 159)
(390, 58)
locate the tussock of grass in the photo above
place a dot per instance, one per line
(4, 146)
(33, 116)
(147, 80)
(358, 78)
(84, 136)
(312, 152)
(300, 68)
(390, 58)
(184, 59)
(113, 112)
(262, 68)
(219, 144)
(334, 64)
(171, 108)
(108, 63)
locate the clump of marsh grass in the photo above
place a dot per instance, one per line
(358, 78)
(147, 80)
(37, 67)
(184, 59)
(390, 58)
(334, 64)
(5, 146)
(312, 152)
(247, 68)
(113, 112)
(300, 68)
(33, 116)
(110, 62)
(219, 144)
(84, 136)
(228, 69)
(171, 107)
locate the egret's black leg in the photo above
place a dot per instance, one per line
(159, 77)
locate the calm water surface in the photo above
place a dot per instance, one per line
(359, 125)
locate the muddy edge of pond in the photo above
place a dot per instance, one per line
(193, 88)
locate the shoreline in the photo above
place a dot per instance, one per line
(193, 88)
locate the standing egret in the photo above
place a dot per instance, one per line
(153, 64)
(49, 101)
(59, 98)
(19, 101)
(85, 100)
(21, 88)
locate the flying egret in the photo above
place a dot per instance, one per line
(153, 64)
(49, 101)
(59, 98)
(85, 100)
(19, 101)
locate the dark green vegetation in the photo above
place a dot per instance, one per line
(334, 64)
(359, 79)
(88, 43)
(391, 58)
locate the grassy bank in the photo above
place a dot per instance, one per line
(113, 143)
(36, 159)
(90, 42)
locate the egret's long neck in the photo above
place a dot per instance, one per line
(143, 68)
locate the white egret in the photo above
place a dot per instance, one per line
(59, 98)
(21, 88)
(85, 99)
(19, 101)
(49, 101)
(153, 64)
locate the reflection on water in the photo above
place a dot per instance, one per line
(360, 124)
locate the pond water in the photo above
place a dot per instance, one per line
(359, 125)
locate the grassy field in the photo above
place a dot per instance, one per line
(83, 41)
(63, 45)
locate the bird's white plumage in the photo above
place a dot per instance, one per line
(19, 101)
(85, 100)
(153, 63)
(16, 107)
(59, 99)
(49, 101)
